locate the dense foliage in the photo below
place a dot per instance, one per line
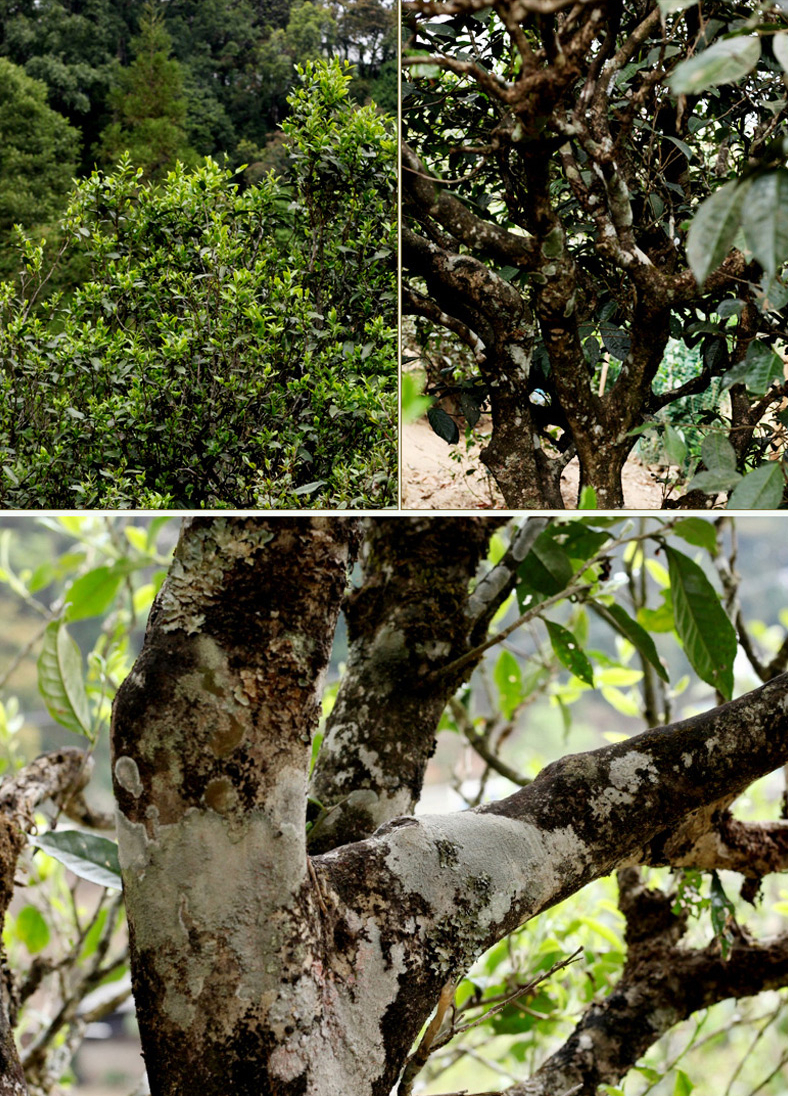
(230, 347)
(582, 185)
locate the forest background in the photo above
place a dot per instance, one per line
(199, 78)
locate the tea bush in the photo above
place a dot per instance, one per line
(231, 348)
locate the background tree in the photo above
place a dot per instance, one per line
(311, 921)
(149, 107)
(40, 151)
(554, 158)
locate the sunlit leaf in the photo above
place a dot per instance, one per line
(32, 929)
(61, 681)
(508, 678)
(724, 62)
(87, 855)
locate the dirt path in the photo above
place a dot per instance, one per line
(436, 476)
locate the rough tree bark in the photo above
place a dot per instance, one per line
(554, 148)
(261, 970)
(60, 776)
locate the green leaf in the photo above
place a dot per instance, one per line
(587, 499)
(658, 620)
(765, 219)
(569, 652)
(616, 341)
(724, 62)
(684, 1085)
(637, 635)
(310, 488)
(714, 229)
(93, 593)
(94, 935)
(650, 1074)
(707, 634)
(759, 490)
(780, 47)
(85, 854)
(470, 408)
(508, 677)
(717, 453)
(60, 680)
(699, 532)
(675, 446)
(414, 404)
(713, 482)
(443, 425)
(764, 366)
(547, 568)
(32, 929)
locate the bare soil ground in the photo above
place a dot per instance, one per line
(436, 476)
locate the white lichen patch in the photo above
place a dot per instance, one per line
(625, 771)
(517, 862)
(338, 1038)
(128, 776)
(233, 886)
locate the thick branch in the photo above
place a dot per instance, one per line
(661, 986)
(408, 617)
(425, 194)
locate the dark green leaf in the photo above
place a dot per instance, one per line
(443, 425)
(707, 634)
(721, 911)
(569, 652)
(470, 408)
(616, 341)
(637, 635)
(699, 532)
(547, 568)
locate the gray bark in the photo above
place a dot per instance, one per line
(260, 970)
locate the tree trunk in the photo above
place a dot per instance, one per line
(258, 970)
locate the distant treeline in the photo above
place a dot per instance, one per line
(83, 80)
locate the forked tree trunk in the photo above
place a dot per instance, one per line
(261, 972)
